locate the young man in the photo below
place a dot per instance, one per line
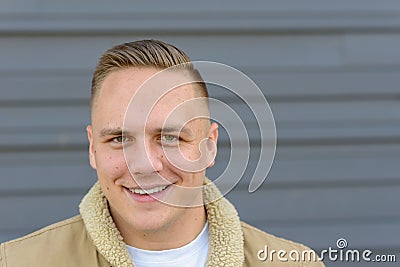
(150, 156)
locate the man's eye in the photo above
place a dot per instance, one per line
(119, 139)
(169, 138)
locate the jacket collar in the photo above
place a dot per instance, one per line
(226, 236)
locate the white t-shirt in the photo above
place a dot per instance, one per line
(193, 254)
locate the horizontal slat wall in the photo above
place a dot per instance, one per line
(330, 71)
(97, 17)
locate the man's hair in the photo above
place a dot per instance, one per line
(143, 53)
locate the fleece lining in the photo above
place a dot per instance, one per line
(226, 236)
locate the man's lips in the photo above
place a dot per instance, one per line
(148, 190)
(145, 187)
(150, 194)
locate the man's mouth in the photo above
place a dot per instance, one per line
(148, 191)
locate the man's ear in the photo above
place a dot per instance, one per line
(92, 151)
(212, 142)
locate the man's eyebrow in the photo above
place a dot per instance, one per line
(111, 131)
(175, 129)
(170, 129)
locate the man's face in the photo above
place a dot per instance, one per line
(146, 143)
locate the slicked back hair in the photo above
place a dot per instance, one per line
(142, 53)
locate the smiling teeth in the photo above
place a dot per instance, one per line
(148, 191)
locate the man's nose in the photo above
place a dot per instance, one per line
(144, 159)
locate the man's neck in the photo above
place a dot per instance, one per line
(174, 235)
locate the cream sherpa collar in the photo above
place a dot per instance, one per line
(226, 237)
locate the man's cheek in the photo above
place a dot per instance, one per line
(112, 167)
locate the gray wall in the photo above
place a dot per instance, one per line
(330, 70)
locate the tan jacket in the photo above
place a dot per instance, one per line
(91, 239)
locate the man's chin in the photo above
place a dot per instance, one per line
(153, 222)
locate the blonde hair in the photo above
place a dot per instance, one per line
(142, 53)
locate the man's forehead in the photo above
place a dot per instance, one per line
(120, 97)
(175, 97)
(169, 112)
(146, 81)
